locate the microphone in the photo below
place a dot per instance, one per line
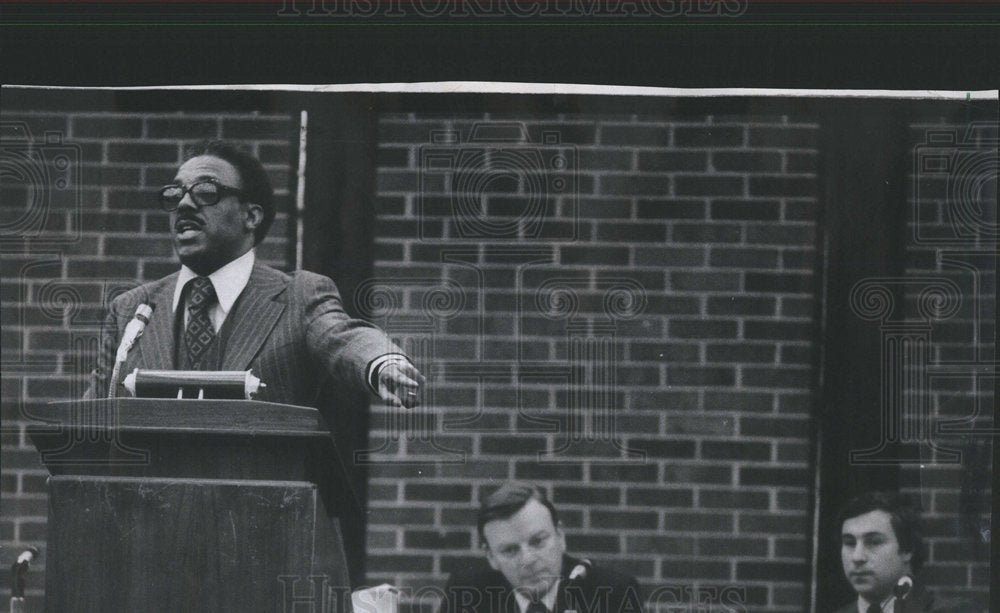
(571, 589)
(133, 330)
(903, 587)
(581, 570)
(18, 569)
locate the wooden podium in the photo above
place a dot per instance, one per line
(191, 505)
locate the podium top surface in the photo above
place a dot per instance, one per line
(248, 417)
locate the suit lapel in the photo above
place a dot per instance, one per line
(562, 601)
(509, 603)
(155, 350)
(253, 317)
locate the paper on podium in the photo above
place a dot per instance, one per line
(379, 599)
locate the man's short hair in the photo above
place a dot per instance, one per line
(507, 500)
(256, 182)
(904, 515)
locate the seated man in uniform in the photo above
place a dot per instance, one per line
(529, 570)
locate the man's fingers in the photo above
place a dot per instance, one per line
(406, 398)
(402, 381)
(410, 371)
(402, 375)
(400, 385)
(409, 399)
(407, 391)
(390, 398)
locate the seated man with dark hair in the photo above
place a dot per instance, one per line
(529, 572)
(881, 550)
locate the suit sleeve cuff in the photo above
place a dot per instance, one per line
(375, 367)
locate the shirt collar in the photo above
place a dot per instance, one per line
(228, 281)
(888, 605)
(549, 599)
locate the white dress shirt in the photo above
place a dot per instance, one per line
(228, 281)
(549, 599)
(888, 605)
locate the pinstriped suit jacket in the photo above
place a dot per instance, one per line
(290, 329)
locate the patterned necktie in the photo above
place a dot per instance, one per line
(536, 607)
(199, 333)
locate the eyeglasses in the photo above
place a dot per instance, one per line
(204, 193)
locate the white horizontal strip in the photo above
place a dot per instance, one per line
(490, 87)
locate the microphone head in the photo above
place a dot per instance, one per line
(27, 556)
(580, 570)
(903, 587)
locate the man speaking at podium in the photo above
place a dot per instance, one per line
(224, 311)
(529, 572)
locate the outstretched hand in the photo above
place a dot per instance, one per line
(399, 384)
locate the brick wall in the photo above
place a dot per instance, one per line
(98, 233)
(619, 308)
(951, 265)
(622, 310)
